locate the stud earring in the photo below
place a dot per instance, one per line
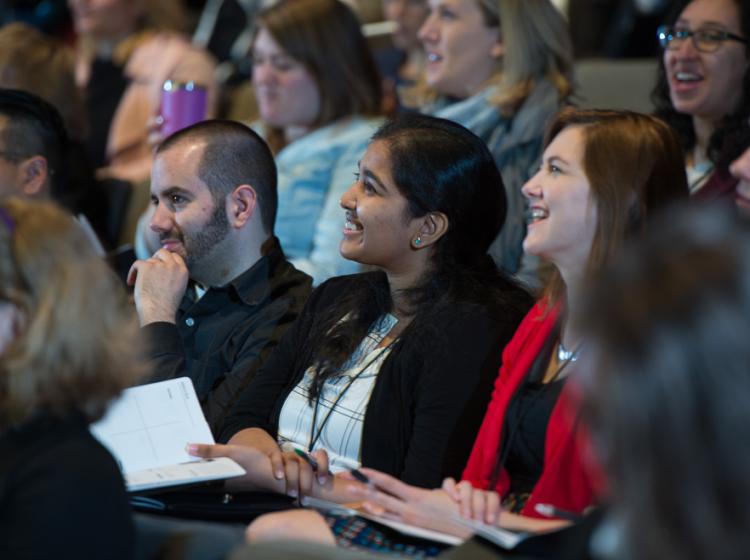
(417, 241)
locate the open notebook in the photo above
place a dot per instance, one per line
(147, 429)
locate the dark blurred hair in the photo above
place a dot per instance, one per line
(635, 167)
(668, 393)
(33, 127)
(233, 155)
(325, 36)
(732, 134)
(438, 166)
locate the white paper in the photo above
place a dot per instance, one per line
(147, 429)
(504, 538)
(192, 472)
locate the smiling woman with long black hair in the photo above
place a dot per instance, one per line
(392, 369)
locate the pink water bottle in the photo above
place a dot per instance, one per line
(182, 104)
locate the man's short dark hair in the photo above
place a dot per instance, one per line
(234, 155)
(34, 128)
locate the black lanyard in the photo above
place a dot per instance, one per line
(315, 436)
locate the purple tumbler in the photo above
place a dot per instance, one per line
(182, 104)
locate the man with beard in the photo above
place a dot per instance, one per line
(216, 298)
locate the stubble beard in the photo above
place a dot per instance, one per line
(200, 245)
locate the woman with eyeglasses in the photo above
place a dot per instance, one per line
(704, 89)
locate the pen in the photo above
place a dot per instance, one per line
(360, 476)
(549, 510)
(312, 462)
(364, 479)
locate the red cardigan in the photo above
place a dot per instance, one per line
(565, 482)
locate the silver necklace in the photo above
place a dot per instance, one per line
(565, 355)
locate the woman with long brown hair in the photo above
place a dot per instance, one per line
(318, 94)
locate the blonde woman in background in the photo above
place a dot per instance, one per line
(66, 349)
(501, 68)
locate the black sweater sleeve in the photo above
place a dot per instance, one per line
(425, 412)
(259, 404)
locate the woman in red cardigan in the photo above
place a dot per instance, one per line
(603, 175)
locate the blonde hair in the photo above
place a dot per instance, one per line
(537, 46)
(76, 345)
(34, 62)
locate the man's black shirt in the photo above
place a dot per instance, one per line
(220, 340)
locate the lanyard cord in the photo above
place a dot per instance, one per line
(315, 435)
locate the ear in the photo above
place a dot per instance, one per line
(498, 49)
(434, 226)
(34, 174)
(243, 201)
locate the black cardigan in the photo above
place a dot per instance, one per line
(429, 397)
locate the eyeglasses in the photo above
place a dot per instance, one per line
(704, 40)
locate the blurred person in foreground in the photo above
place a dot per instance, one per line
(67, 340)
(740, 169)
(668, 393)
